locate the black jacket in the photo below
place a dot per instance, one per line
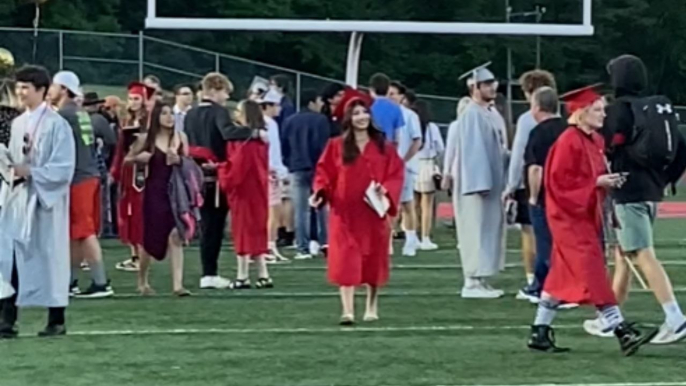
(304, 137)
(629, 80)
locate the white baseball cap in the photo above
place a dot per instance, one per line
(69, 80)
(272, 96)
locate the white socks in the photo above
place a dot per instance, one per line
(529, 278)
(612, 316)
(673, 315)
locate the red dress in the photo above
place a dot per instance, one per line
(358, 239)
(575, 216)
(130, 204)
(244, 179)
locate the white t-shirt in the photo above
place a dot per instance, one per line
(275, 158)
(433, 143)
(407, 134)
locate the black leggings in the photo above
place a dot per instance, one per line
(212, 225)
(10, 312)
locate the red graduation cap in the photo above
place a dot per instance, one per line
(581, 98)
(145, 91)
(348, 95)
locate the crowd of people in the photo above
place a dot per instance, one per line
(337, 176)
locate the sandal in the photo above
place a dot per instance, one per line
(347, 320)
(182, 293)
(264, 282)
(241, 284)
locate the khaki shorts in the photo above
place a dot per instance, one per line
(636, 225)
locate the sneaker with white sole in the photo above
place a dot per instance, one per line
(568, 306)
(214, 282)
(302, 256)
(596, 327)
(488, 287)
(668, 335)
(526, 294)
(96, 292)
(427, 245)
(480, 292)
(410, 248)
(315, 248)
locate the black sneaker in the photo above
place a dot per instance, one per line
(631, 338)
(400, 235)
(543, 339)
(264, 282)
(7, 331)
(96, 292)
(74, 289)
(53, 330)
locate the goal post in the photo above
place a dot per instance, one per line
(359, 27)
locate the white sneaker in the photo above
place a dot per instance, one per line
(596, 327)
(667, 335)
(315, 248)
(427, 245)
(277, 255)
(214, 282)
(568, 306)
(479, 292)
(487, 286)
(409, 250)
(302, 256)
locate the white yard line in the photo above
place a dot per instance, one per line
(305, 330)
(316, 294)
(681, 383)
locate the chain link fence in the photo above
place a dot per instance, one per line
(111, 61)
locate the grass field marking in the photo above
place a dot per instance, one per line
(681, 383)
(304, 330)
(290, 267)
(317, 294)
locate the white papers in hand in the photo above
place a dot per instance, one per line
(378, 202)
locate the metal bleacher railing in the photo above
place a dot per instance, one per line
(112, 59)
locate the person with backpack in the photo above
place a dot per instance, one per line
(646, 146)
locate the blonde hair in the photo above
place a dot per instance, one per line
(577, 118)
(216, 81)
(7, 96)
(462, 105)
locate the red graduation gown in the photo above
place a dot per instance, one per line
(130, 204)
(244, 179)
(358, 239)
(574, 212)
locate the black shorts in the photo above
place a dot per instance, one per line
(522, 200)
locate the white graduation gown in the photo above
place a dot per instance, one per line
(479, 175)
(43, 257)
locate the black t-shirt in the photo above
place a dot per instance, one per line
(541, 140)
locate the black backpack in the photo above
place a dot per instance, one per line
(654, 140)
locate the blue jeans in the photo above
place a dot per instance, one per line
(302, 189)
(544, 247)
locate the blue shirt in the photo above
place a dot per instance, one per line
(388, 117)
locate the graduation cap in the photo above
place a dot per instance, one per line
(259, 85)
(350, 94)
(138, 88)
(478, 75)
(581, 98)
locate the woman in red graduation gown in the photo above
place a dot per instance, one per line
(131, 178)
(359, 237)
(576, 182)
(244, 178)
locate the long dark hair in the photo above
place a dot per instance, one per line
(155, 128)
(350, 149)
(424, 112)
(254, 118)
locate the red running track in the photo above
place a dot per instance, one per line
(665, 210)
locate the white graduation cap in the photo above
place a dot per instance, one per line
(272, 96)
(259, 85)
(478, 75)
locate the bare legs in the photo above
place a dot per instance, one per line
(348, 304)
(175, 255)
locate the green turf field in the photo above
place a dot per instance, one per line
(289, 335)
